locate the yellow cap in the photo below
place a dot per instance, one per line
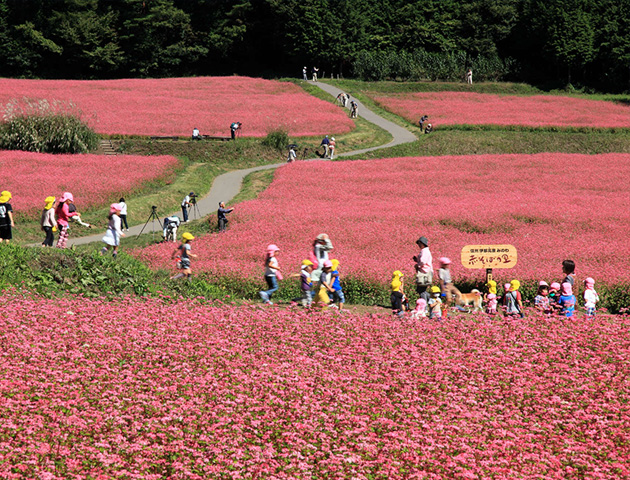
(5, 196)
(335, 263)
(48, 202)
(398, 273)
(307, 263)
(188, 236)
(515, 285)
(435, 289)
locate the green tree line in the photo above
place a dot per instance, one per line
(545, 42)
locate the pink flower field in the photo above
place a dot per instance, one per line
(458, 108)
(549, 206)
(174, 106)
(151, 389)
(93, 179)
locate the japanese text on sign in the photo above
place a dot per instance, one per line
(489, 256)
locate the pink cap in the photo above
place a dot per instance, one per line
(327, 264)
(589, 282)
(272, 248)
(115, 207)
(567, 289)
(445, 261)
(421, 303)
(506, 287)
(66, 196)
(492, 296)
(554, 286)
(542, 283)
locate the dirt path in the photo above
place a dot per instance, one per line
(227, 186)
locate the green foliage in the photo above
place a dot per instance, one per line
(278, 139)
(423, 65)
(41, 126)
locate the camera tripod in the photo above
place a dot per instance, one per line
(152, 218)
(195, 209)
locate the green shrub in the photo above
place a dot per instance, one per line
(278, 139)
(42, 126)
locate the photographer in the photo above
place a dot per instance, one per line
(233, 129)
(186, 203)
(221, 213)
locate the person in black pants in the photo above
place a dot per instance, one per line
(221, 213)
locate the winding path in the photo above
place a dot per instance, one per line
(227, 186)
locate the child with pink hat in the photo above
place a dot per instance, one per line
(421, 309)
(590, 297)
(63, 214)
(114, 230)
(272, 273)
(567, 300)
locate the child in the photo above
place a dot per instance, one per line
(513, 301)
(421, 309)
(48, 222)
(306, 284)
(567, 300)
(6, 217)
(492, 302)
(435, 304)
(63, 214)
(446, 284)
(337, 294)
(272, 274)
(114, 231)
(541, 301)
(590, 297)
(397, 296)
(123, 214)
(554, 295)
(324, 286)
(183, 253)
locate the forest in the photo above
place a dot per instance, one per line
(549, 43)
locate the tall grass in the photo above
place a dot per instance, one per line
(44, 126)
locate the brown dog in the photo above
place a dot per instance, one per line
(473, 298)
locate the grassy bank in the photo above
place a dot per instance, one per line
(83, 271)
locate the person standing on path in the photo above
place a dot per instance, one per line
(305, 74)
(123, 214)
(48, 222)
(114, 230)
(64, 214)
(221, 214)
(354, 109)
(331, 147)
(469, 77)
(315, 70)
(6, 217)
(185, 205)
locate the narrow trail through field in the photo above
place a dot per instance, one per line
(227, 186)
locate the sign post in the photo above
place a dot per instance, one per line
(488, 257)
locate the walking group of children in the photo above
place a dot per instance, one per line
(554, 299)
(319, 276)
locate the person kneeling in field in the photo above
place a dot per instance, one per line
(183, 254)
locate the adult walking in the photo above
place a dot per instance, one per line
(64, 214)
(424, 268)
(326, 144)
(322, 246)
(221, 214)
(185, 205)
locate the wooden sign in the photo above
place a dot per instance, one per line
(489, 256)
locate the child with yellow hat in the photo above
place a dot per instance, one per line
(48, 221)
(306, 284)
(183, 253)
(337, 293)
(397, 296)
(6, 217)
(435, 302)
(513, 301)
